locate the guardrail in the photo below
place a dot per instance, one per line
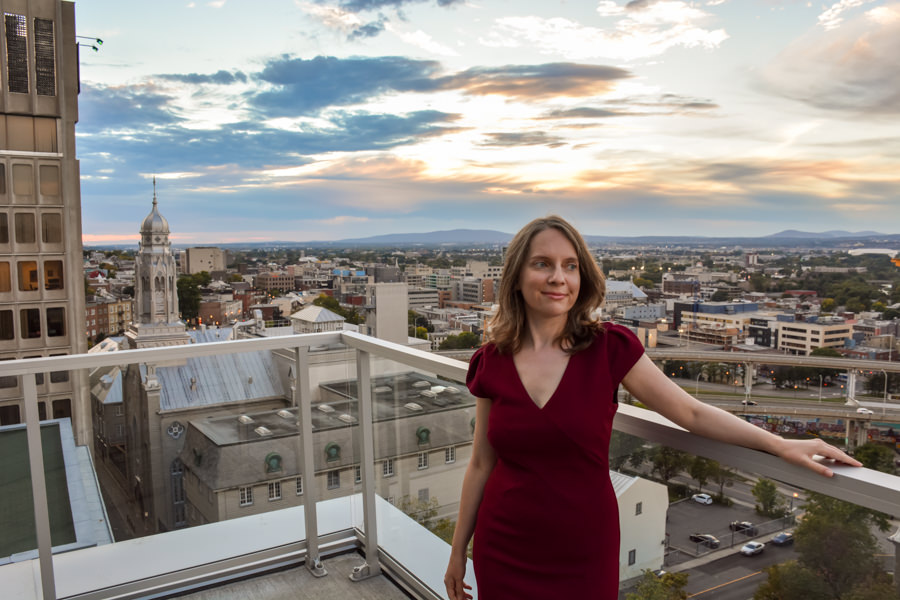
(871, 489)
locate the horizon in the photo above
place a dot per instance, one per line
(324, 120)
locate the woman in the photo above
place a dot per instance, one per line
(537, 493)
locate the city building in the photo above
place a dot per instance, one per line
(107, 315)
(803, 338)
(202, 258)
(41, 289)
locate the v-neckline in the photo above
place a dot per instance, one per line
(525, 389)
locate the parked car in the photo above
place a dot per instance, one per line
(751, 548)
(706, 539)
(745, 527)
(702, 498)
(784, 538)
(748, 402)
(864, 411)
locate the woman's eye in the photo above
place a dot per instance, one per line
(572, 267)
(540, 264)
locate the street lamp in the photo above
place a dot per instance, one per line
(820, 388)
(697, 390)
(884, 402)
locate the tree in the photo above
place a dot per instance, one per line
(421, 333)
(625, 449)
(668, 462)
(425, 514)
(723, 477)
(188, 297)
(235, 277)
(719, 296)
(463, 341)
(791, 581)
(668, 587)
(828, 304)
(701, 469)
(876, 456)
(768, 501)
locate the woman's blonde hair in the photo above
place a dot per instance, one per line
(507, 326)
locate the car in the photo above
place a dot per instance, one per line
(659, 573)
(785, 538)
(864, 411)
(748, 402)
(706, 539)
(745, 527)
(702, 498)
(751, 548)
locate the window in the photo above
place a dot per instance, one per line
(120, 430)
(25, 228)
(334, 480)
(177, 474)
(424, 495)
(5, 283)
(56, 322)
(23, 180)
(63, 376)
(30, 323)
(28, 275)
(2, 179)
(9, 415)
(450, 455)
(62, 409)
(357, 474)
(4, 226)
(299, 486)
(6, 325)
(423, 460)
(632, 557)
(120, 410)
(246, 496)
(44, 58)
(9, 381)
(53, 275)
(638, 508)
(387, 467)
(51, 228)
(17, 52)
(49, 181)
(274, 490)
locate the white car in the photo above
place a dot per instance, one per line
(864, 411)
(751, 548)
(702, 498)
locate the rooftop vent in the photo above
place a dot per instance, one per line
(413, 406)
(451, 390)
(285, 414)
(349, 419)
(427, 394)
(326, 408)
(263, 431)
(437, 389)
(245, 420)
(383, 389)
(421, 384)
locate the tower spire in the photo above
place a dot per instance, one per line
(154, 190)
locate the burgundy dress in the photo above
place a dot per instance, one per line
(548, 524)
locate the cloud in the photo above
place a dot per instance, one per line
(634, 106)
(422, 40)
(534, 82)
(370, 5)
(531, 138)
(367, 30)
(853, 68)
(833, 16)
(118, 108)
(642, 29)
(218, 78)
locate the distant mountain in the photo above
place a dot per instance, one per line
(433, 238)
(795, 234)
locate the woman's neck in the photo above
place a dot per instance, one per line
(543, 334)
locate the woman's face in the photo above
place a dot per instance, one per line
(550, 278)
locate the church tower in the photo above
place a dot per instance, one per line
(156, 319)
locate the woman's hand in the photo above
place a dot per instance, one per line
(453, 579)
(801, 452)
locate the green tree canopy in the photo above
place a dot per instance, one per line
(668, 462)
(768, 501)
(668, 587)
(463, 341)
(188, 297)
(876, 456)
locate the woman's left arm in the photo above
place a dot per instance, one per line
(651, 386)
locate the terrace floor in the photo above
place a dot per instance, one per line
(299, 584)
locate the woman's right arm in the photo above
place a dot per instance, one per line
(480, 466)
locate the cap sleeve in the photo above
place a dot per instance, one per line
(624, 349)
(475, 378)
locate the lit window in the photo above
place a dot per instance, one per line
(423, 460)
(334, 480)
(53, 275)
(450, 455)
(274, 490)
(387, 467)
(246, 496)
(5, 282)
(28, 275)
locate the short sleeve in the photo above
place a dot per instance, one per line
(623, 350)
(475, 378)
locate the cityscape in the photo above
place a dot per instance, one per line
(212, 414)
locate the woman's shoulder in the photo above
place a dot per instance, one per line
(613, 334)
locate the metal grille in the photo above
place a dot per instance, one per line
(44, 57)
(17, 52)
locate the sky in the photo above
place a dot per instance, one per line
(329, 119)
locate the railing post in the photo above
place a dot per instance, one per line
(372, 565)
(303, 400)
(39, 487)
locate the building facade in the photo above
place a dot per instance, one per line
(41, 289)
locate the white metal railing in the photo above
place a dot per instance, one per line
(864, 487)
